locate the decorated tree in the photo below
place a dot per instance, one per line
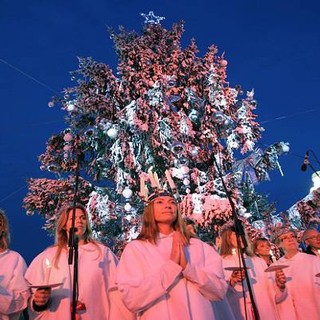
(167, 117)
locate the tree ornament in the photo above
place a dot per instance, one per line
(67, 137)
(67, 148)
(90, 131)
(127, 193)
(112, 133)
(53, 167)
(70, 107)
(127, 207)
(194, 152)
(150, 18)
(186, 181)
(177, 148)
(194, 115)
(223, 63)
(218, 117)
(183, 161)
(29, 213)
(185, 169)
(171, 83)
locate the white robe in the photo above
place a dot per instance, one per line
(156, 287)
(266, 294)
(303, 288)
(14, 292)
(96, 281)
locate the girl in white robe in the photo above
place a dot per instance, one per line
(165, 274)
(97, 295)
(14, 292)
(303, 280)
(268, 288)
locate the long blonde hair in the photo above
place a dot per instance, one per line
(226, 245)
(150, 230)
(4, 231)
(61, 234)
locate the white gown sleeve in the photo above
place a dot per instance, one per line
(117, 308)
(14, 296)
(208, 276)
(140, 286)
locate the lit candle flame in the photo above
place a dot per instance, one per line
(272, 256)
(48, 270)
(234, 251)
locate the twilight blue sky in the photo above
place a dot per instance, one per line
(272, 46)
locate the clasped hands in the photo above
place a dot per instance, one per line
(177, 252)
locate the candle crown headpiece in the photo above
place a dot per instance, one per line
(158, 189)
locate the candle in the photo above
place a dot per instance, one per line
(142, 187)
(156, 179)
(152, 180)
(272, 256)
(235, 258)
(319, 252)
(48, 271)
(170, 180)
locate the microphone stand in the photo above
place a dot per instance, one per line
(73, 238)
(240, 240)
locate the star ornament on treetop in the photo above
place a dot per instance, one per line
(150, 18)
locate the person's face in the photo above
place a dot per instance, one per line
(313, 239)
(233, 240)
(80, 222)
(288, 241)
(165, 210)
(263, 248)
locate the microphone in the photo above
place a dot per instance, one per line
(304, 166)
